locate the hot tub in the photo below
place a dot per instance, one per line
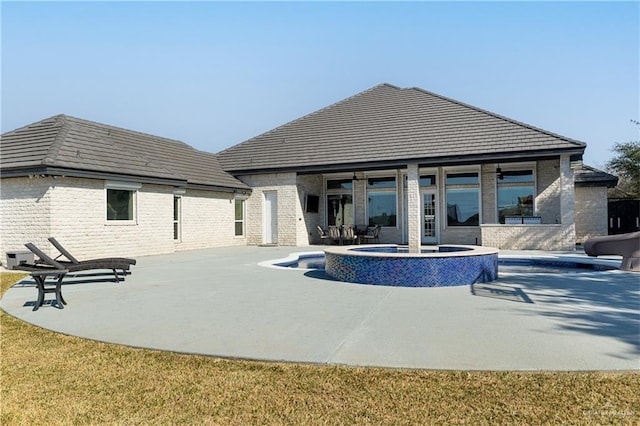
(434, 266)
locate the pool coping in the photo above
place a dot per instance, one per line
(354, 250)
(613, 261)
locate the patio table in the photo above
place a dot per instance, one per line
(40, 274)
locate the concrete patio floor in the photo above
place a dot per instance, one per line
(220, 302)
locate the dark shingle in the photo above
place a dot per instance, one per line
(590, 176)
(386, 123)
(71, 143)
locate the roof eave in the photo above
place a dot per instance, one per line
(228, 189)
(575, 153)
(597, 183)
(66, 172)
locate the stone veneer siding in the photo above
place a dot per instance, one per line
(554, 203)
(292, 229)
(25, 205)
(548, 188)
(524, 237)
(591, 213)
(73, 211)
(311, 185)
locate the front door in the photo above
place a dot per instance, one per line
(270, 222)
(429, 217)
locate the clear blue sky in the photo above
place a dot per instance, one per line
(214, 74)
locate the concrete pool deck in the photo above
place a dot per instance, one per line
(220, 302)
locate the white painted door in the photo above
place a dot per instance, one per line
(270, 218)
(429, 217)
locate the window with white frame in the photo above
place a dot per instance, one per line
(516, 194)
(177, 217)
(426, 181)
(382, 201)
(239, 217)
(121, 201)
(462, 191)
(339, 203)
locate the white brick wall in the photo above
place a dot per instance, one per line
(24, 213)
(554, 203)
(291, 226)
(414, 208)
(78, 220)
(591, 212)
(310, 184)
(548, 191)
(521, 237)
(489, 193)
(208, 220)
(73, 211)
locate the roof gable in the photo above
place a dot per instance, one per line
(386, 124)
(74, 144)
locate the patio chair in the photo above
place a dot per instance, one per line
(323, 234)
(335, 235)
(74, 265)
(349, 234)
(373, 234)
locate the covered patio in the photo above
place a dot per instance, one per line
(426, 168)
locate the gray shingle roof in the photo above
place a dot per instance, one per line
(590, 176)
(71, 144)
(390, 124)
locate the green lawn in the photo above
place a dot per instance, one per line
(53, 378)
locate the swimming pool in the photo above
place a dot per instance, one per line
(508, 264)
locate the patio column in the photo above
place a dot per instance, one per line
(567, 203)
(413, 208)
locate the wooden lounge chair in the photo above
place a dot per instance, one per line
(74, 265)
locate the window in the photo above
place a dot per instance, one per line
(121, 201)
(311, 203)
(339, 202)
(239, 218)
(381, 201)
(462, 193)
(515, 194)
(177, 231)
(340, 184)
(425, 180)
(119, 204)
(428, 180)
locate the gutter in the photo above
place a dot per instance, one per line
(64, 172)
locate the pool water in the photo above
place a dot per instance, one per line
(507, 265)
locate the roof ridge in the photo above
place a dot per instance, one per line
(54, 149)
(501, 117)
(289, 123)
(26, 126)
